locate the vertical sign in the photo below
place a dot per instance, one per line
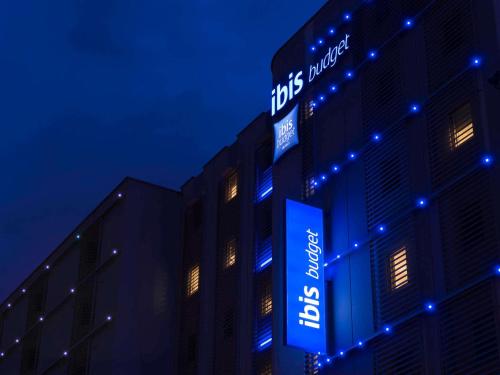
(286, 133)
(305, 285)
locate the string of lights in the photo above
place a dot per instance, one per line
(429, 307)
(72, 291)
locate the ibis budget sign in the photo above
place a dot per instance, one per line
(305, 285)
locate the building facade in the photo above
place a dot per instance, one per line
(101, 303)
(380, 143)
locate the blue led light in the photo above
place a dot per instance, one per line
(372, 55)
(360, 343)
(315, 183)
(421, 202)
(347, 16)
(352, 155)
(328, 360)
(338, 256)
(414, 108)
(429, 306)
(265, 343)
(356, 245)
(333, 88)
(476, 61)
(321, 98)
(314, 104)
(335, 168)
(381, 228)
(323, 177)
(321, 41)
(267, 192)
(497, 270)
(376, 137)
(341, 353)
(77, 236)
(325, 265)
(331, 31)
(320, 364)
(408, 23)
(387, 329)
(349, 74)
(266, 262)
(313, 48)
(487, 160)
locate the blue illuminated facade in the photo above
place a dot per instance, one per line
(383, 134)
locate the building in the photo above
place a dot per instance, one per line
(101, 302)
(374, 170)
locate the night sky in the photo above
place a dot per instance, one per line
(96, 90)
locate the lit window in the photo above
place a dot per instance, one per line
(193, 281)
(461, 126)
(231, 186)
(399, 269)
(230, 253)
(266, 303)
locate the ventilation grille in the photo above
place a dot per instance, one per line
(468, 333)
(402, 352)
(387, 180)
(467, 229)
(381, 19)
(448, 38)
(79, 360)
(382, 92)
(448, 162)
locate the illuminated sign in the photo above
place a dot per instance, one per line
(286, 133)
(282, 94)
(305, 285)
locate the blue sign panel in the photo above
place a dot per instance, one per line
(305, 284)
(286, 133)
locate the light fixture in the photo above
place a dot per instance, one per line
(408, 23)
(414, 108)
(476, 61)
(376, 137)
(421, 202)
(335, 168)
(487, 160)
(372, 54)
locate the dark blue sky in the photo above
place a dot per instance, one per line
(92, 91)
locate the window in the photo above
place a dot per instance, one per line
(266, 302)
(399, 269)
(230, 253)
(193, 281)
(461, 126)
(231, 186)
